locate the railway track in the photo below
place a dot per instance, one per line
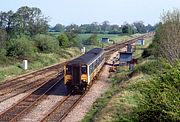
(27, 87)
(28, 102)
(61, 109)
(31, 81)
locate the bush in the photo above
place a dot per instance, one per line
(20, 48)
(46, 43)
(63, 40)
(152, 67)
(3, 58)
(92, 40)
(73, 39)
(167, 36)
(149, 51)
(161, 97)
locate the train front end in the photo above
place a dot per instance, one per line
(75, 76)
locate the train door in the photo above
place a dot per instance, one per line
(76, 74)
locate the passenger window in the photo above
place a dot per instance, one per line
(84, 69)
(68, 70)
(90, 68)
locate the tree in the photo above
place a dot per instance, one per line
(105, 26)
(114, 29)
(92, 40)
(46, 43)
(141, 28)
(31, 21)
(63, 40)
(26, 20)
(125, 29)
(167, 37)
(72, 28)
(94, 27)
(150, 28)
(20, 48)
(128, 29)
(58, 28)
(3, 38)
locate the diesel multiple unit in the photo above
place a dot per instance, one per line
(79, 73)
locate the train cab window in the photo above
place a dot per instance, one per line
(68, 70)
(84, 69)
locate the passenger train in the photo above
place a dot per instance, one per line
(79, 73)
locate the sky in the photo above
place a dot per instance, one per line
(68, 12)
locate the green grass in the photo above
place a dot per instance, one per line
(99, 105)
(122, 105)
(10, 71)
(41, 60)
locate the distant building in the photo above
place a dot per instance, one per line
(105, 40)
(140, 42)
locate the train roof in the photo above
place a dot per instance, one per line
(88, 57)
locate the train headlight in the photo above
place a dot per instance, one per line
(83, 80)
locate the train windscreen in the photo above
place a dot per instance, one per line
(84, 69)
(68, 70)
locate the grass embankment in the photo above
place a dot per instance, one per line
(151, 95)
(42, 60)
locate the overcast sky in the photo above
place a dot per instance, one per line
(87, 11)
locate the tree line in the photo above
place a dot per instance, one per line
(105, 28)
(24, 34)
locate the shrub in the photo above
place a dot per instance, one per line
(92, 40)
(162, 97)
(152, 67)
(63, 40)
(149, 51)
(46, 43)
(3, 58)
(167, 36)
(20, 48)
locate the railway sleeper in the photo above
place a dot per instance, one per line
(24, 104)
(31, 99)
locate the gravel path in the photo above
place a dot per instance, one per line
(99, 87)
